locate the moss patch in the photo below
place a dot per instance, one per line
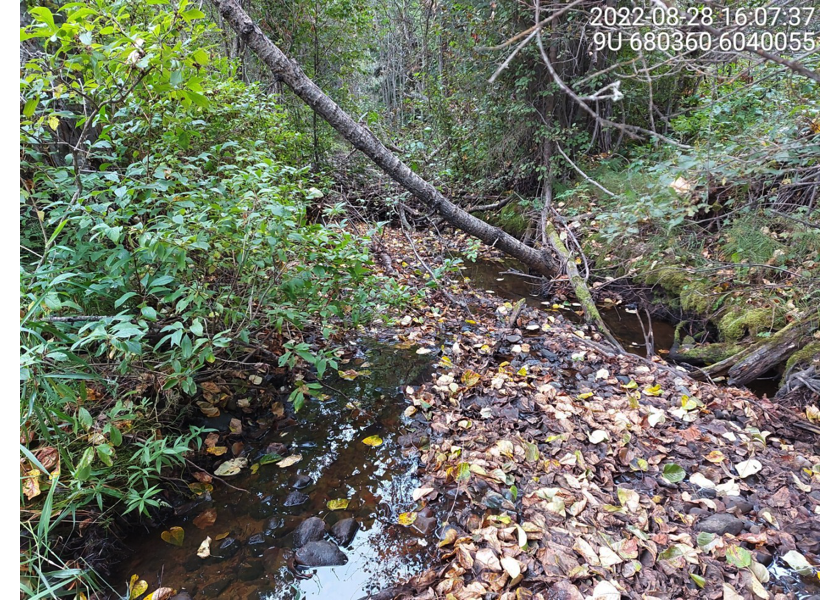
(736, 323)
(805, 355)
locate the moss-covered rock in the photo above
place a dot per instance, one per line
(737, 323)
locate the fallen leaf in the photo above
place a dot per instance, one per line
(217, 450)
(373, 441)
(208, 409)
(204, 548)
(407, 518)
(31, 484)
(289, 461)
(206, 519)
(715, 456)
(231, 467)
(605, 591)
(798, 563)
(748, 467)
(236, 427)
(598, 436)
(673, 473)
(423, 351)
(740, 557)
(174, 536)
(136, 587)
(160, 594)
(338, 504)
(420, 492)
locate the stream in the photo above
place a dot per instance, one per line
(252, 558)
(252, 540)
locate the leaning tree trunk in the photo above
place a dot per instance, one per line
(288, 71)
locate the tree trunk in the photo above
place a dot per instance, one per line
(291, 74)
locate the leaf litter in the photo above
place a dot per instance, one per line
(591, 474)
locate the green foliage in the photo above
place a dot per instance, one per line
(165, 226)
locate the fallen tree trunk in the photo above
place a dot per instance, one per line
(579, 285)
(288, 72)
(752, 362)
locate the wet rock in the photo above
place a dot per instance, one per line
(295, 499)
(496, 501)
(256, 543)
(275, 558)
(215, 589)
(249, 570)
(272, 525)
(311, 530)
(308, 444)
(721, 523)
(548, 354)
(228, 548)
(264, 508)
(301, 481)
(320, 554)
(182, 596)
(344, 531)
(425, 525)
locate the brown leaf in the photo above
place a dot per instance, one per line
(211, 440)
(31, 484)
(206, 519)
(202, 476)
(236, 427)
(48, 457)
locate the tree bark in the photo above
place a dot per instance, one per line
(288, 71)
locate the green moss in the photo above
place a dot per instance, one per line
(738, 322)
(511, 219)
(805, 355)
(670, 279)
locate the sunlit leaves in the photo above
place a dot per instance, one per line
(338, 504)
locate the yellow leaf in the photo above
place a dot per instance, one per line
(407, 518)
(222, 536)
(31, 485)
(338, 504)
(653, 390)
(470, 378)
(174, 536)
(585, 395)
(217, 450)
(53, 122)
(136, 587)
(630, 386)
(373, 441)
(715, 456)
(522, 372)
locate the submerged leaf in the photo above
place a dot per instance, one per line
(289, 461)
(174, 536)
(136, 587)
(407, 518)
(204, 548)
(373, 441)
(338, 504)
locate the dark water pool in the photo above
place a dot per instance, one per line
(377, 481)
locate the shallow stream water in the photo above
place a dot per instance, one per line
(377, 481)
